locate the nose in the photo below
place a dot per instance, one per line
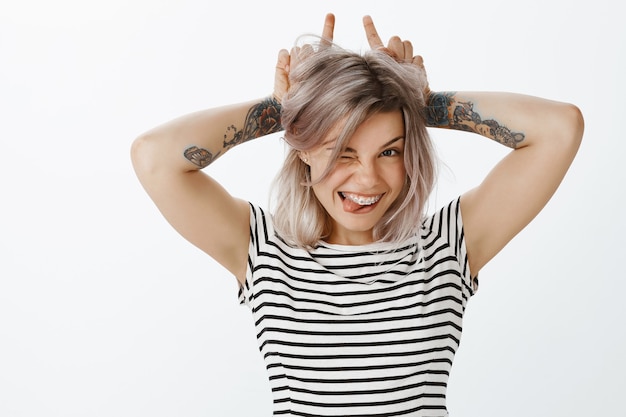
(366, 174)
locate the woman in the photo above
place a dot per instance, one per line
(357, 297)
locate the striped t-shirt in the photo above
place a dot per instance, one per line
(359, 330)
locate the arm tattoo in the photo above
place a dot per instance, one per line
(437, 109)
(442, 110)
(200, 157)
(262, 119)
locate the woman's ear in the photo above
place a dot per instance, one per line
(304, 156)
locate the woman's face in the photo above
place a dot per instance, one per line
(366, 179)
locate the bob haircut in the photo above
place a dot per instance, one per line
(332, 87)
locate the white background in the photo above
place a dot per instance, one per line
(106, 311)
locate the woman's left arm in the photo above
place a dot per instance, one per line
(544, 135)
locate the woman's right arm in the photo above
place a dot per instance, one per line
(168, 161)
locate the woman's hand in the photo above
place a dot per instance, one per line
(281, 76)
(401, 51)
(288, 60)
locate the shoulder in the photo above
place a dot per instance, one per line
(443, 239)
(441, 222)
(261, 222)
(263, 236)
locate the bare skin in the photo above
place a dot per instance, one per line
(544, 134)
(196, 205)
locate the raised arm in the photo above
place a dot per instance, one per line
(544, 135)
(168, 160)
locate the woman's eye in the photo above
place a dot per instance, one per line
(390, 152)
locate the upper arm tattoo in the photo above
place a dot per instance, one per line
(262, 119)
(200, 157)
(442, 110)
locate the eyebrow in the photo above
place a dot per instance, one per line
(391, 142)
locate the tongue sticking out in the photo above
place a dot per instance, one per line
(351, 206)
(353, 203)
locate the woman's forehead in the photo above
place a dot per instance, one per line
(381, 127)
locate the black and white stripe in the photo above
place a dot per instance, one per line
(359, 330)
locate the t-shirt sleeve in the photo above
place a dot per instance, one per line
(258, 230)
(444, 235)
(457, 241)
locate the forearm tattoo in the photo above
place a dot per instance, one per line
(442, 110)
(262, 119)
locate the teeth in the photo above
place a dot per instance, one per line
(363, 201)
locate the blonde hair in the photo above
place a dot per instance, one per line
(332, 86)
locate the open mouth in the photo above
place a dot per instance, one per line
(360, 199)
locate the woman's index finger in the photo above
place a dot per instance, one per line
(370, 32)
(329, 28)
